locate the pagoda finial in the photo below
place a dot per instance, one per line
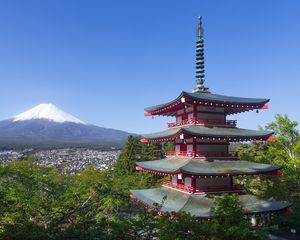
(200, 60)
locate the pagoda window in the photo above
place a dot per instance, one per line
(174, 179)
(190, 116)
(178, 119)
(188, 181)
(190, 148)
(210, 182)
(177, 148)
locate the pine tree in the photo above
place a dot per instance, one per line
(151, 151)
(126, 162)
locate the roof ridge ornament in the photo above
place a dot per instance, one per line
(200, 60)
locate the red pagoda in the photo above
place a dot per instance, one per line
(201, 162)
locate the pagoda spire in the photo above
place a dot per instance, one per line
(200, 60)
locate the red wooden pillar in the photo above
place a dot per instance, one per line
(195, 111)
(193, 183)
(227, 154)
(195, 145)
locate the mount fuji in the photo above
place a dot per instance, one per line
(46, 125)
(48, 112)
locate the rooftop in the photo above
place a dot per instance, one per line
(214, 132)
(234, 104)
(199, 205)
(207, 167)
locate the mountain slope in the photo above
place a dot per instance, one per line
(47, 124)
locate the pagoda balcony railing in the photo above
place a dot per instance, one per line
(195, 121)
(220, 188)
(195, 154)
(178, 186)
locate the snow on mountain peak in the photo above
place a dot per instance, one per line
(49, 112)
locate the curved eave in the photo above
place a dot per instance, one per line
(232, 104)
(211, 167)
(200, 206)
(216, 98)
(232, 134)
(168, 108)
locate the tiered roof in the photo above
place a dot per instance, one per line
(231, 104)
(231, 134)
(200, 205)
(211, 167)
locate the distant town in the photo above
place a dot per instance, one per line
(67, 160)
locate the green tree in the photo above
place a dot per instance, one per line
(27, 193)
(151, 151)
(228, 219)
(125, 164)
(287, 136)
(283, 151)
(125, 176)
(182, 225)
(38, 202)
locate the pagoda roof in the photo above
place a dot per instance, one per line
(204, 131)
(207, 167)
(254, 103)
(225, 99)
(200, 205)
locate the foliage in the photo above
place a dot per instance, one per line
(182, 226)
(287, 136)
(151, 151)
(128, 157)
(283, 151)
(135, 151)
(124, 174)
(39, 203)
(228, 219)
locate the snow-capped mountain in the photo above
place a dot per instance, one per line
(48, 125)
(48, 112)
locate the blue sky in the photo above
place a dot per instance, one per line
(104, 61)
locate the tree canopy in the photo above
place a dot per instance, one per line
(283, 151)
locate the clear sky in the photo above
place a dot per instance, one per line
(104, 61)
